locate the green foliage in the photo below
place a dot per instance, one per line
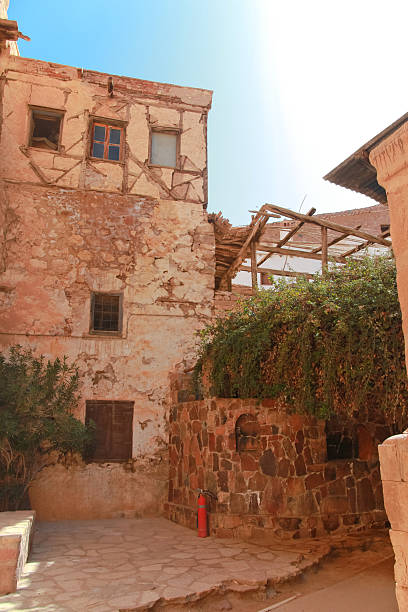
(37, 398)
(328, 345)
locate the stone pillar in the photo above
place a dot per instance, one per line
(394, 473)
(390, 158)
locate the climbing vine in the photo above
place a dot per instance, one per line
(331, 344)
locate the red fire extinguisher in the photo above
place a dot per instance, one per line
(202, 520)
(202, 516)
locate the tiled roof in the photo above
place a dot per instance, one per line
(357, 173)
(371, 218)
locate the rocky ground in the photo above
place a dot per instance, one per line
(136, 565)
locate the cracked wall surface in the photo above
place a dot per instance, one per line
(81, 95)
(72, 225)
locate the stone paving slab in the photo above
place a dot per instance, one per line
(135, 564)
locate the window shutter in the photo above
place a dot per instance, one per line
(113, 435)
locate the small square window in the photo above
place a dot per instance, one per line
(164, 148)
(45, 129)
(106, 313)
(107, 141)
(113, 421)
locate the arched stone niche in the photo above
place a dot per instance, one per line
(341, 439)
(247, 433)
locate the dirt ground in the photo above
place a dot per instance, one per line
(357, 581)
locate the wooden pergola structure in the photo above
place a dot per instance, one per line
(232, 250)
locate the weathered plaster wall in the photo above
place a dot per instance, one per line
(81, 95)
(72, 226)
(108, 490)
(283, 484)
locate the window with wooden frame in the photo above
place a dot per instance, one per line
(107, 141)
(164, 148)
(45, 128)
(106, 313)
(113, 421)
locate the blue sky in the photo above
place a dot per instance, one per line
(298, 86)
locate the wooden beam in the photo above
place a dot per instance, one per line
(297, 253)
(254, 275)
(232, 251)
(269, 214)
(324, 223)
(293, 231)
(222, 264)
(278, 272)
(335, 240)
(289, 235)
(324, 249)
(363, 245)
(257, 226)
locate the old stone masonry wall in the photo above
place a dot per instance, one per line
(269, 471)
(75, 226)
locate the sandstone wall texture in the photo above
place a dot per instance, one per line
(394, 474)
(74, 225)
(275, 478)
(390, 158)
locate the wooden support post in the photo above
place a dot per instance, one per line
(254, 273)
(325, 249)
(335, 240)
(255, 229)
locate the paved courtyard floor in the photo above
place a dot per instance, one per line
(131, 564)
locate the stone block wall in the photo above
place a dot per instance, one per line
(225, 301)
(394, 473)
(269, 473)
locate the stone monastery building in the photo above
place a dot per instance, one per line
(106, 256)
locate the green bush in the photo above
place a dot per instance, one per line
(37, 398)
(331, 344)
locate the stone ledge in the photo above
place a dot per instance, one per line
(393, 454)
(399, 540)
(16, 530)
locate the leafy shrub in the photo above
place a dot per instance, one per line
(37, 398)
(328, 345)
